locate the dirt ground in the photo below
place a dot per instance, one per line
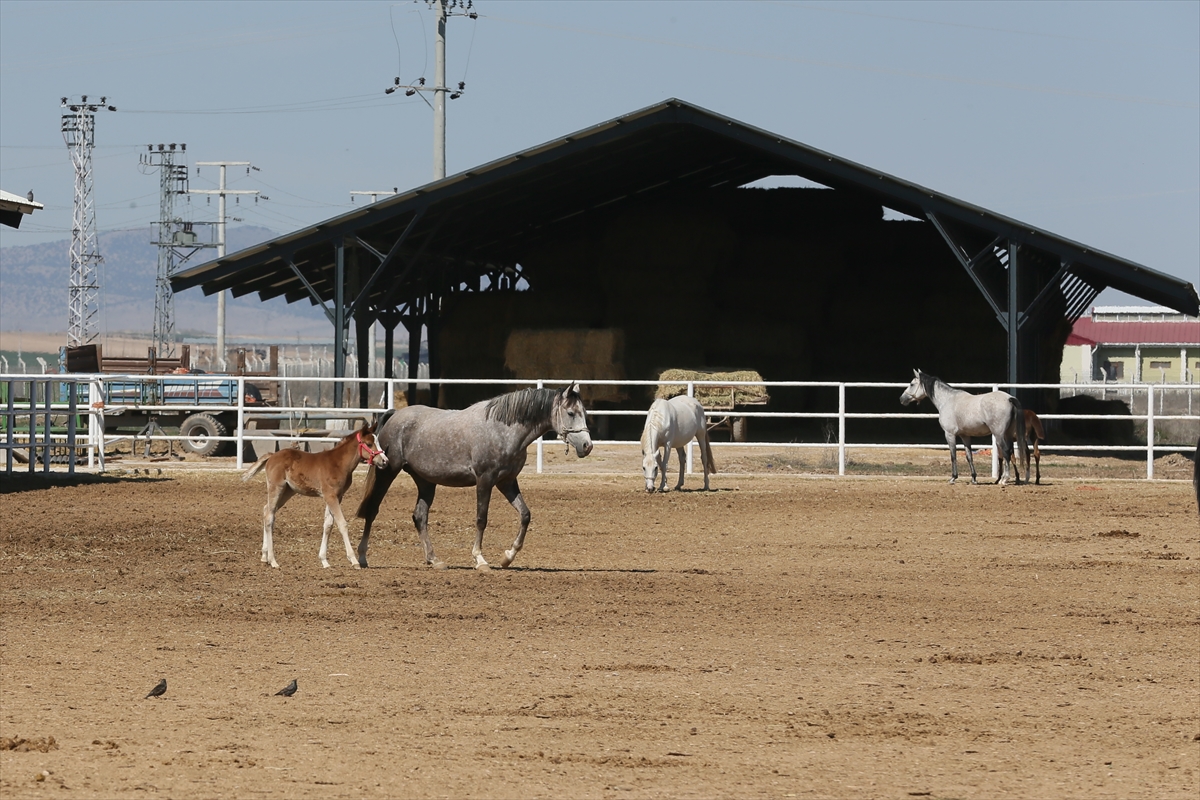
(781, 636)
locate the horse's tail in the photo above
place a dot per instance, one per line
(1018, 436)
(257, 467)
(709, 464)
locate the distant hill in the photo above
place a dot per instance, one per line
(33, 292)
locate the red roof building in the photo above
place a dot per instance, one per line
(1133, 344)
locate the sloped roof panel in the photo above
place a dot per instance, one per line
(482, 215)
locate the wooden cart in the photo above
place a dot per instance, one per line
(720, 401)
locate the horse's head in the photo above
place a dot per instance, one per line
(569, 419)
(915, 392)
(368, 448)
(649, 466)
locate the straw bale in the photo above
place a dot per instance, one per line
(714, 397)
(570, 354)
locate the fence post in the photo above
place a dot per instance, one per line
(1149, 431)
(241, 419)
(540, 446)
(72, 407)
(996, 446)
(841, 429)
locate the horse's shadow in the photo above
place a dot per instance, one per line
(468, 568)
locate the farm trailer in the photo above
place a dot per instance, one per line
(196, 403)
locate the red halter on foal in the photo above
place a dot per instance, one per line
(363, 446)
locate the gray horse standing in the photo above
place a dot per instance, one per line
(964, 415)
(484, 445)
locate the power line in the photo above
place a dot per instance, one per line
(445, 9)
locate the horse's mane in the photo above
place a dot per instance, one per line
(524, 407)
(928, 383)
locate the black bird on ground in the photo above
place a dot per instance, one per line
(288, 690)
(160, 690)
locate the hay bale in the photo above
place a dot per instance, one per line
(714, 397)
(563, 354)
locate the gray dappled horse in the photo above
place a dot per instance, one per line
(671, 425)
(482, 446)
(964, 415)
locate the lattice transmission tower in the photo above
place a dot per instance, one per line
(83, 287)
(175, 237)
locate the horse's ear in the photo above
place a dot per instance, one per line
(573, 389)
(916, 373)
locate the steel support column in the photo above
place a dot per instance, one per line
(339, 320)
(1014, 314)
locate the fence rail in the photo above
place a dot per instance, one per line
(44, 414)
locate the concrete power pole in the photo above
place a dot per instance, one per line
(444, 9)
(83, 286)
(221, 192)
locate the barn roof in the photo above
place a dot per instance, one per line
(481, 218)
(1089, 331)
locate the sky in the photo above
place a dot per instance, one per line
(1079, 118)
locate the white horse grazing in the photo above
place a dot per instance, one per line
(671, 424)
(964, 415)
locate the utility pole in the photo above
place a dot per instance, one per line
(83, 286)
(176, 239)
(221, 192)
(444, 10)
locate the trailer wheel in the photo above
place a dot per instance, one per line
(738, 429)
(200, 430)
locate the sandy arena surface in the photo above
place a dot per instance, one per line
(781, 636)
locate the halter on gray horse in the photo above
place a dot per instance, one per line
(483, 446)
(963, 415)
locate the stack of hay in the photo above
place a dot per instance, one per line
(720, 398)
(567, 354)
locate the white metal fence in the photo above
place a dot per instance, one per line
(21, 408)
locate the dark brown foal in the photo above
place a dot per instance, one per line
(327, 474)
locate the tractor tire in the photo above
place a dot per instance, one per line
(739, 429)
(200, 430)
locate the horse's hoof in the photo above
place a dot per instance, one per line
(483, 567)
(438, 565)
(355, 565)
(324, 565)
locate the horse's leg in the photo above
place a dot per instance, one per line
(333, 506)
(966, 440)
(662, 466)
(379, 480)
(425, 493)
(324, 553)
(483, 498)
(682, 458)
(512, 493)
(952, 440)
(276, 497)
(1006, 458)
(1037, 459)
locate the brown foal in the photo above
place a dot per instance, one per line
(327, 474)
